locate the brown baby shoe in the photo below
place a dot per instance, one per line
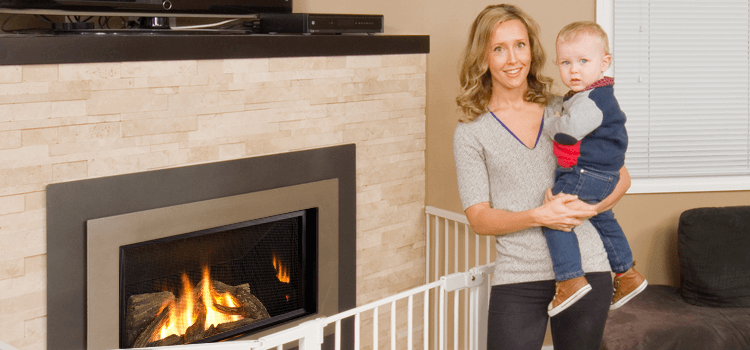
(567, 293)
(627, 285)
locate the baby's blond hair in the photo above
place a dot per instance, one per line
(571, 31)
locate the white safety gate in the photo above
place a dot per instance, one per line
(453, 247)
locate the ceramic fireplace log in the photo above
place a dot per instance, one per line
(228, 310)
(251, 307)
(228, 326)
(221, 288)
(197, 330)
(254, 309)
(147, 314)
(157, 323)
(210, 331)
(142, 309)
(173, 339)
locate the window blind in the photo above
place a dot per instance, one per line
(682, 78)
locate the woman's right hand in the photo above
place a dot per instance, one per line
(556, 214)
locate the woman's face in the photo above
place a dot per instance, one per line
(509, 56)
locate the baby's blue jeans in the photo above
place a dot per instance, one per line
(591, 186)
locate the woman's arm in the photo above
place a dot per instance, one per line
(485, 220)
(619, 191)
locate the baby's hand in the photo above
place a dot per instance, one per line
(554, 106)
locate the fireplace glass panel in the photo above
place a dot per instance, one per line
(218, 283)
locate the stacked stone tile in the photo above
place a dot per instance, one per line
(77, 121)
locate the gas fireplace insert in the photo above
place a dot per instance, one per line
(195, 230)
(217, 283)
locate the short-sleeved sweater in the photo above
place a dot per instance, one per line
(494, 166)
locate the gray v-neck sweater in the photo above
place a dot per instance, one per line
(494, 166)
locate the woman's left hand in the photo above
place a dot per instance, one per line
(575, 204)
(548, 196)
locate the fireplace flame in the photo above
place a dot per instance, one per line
(185, 310)
(282, 271)
(213, 316)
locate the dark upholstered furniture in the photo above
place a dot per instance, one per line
(711, 308)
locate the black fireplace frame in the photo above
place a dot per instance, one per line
(71, 204)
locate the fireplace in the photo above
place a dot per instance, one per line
(214, 284)
(268, 241)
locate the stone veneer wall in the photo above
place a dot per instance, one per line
(76, 121)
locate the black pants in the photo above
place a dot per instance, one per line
(518, 316)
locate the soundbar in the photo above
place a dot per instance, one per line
(309, 23)
(156, 8)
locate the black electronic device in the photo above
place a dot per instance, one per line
(315, 23)
(153, 8)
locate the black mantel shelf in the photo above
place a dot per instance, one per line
(22, 49)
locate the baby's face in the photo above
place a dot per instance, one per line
(581, 61)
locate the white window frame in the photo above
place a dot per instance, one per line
(605, 17)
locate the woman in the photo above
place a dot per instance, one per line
(505, 170)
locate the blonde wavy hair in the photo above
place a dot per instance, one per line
(474, 75)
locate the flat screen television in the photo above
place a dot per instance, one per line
(156, 8)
